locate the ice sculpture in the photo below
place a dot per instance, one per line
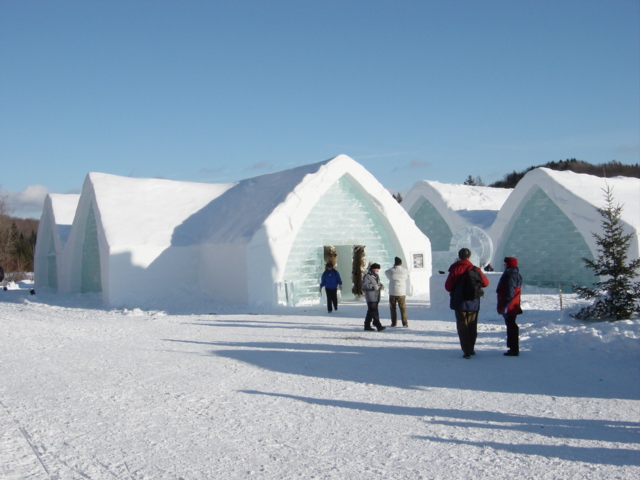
(476, 240)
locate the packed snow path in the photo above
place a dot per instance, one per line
(297, 393)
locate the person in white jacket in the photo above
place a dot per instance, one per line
(398, 277)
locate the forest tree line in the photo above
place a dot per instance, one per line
(603, 170)
(17, 242)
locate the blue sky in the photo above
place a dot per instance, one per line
(218, 91)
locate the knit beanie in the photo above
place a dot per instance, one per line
(511, 262)
(375, 265)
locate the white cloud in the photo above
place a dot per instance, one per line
(28, 202)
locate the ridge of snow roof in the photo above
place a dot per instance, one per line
(63, 207)
(244, 208)
(137, 211)
(589, 188)
(467, 197)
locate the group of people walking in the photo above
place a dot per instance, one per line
(372, 287)
(466, 306)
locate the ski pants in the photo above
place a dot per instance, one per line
(332, 298)
(513, 333)
(372, 315)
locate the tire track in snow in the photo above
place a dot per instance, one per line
(18, 449)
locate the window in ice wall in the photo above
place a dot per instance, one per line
(90, 274)
(341, 217)
(431, 223)
(548, 246)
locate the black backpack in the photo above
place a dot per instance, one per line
(471, 284)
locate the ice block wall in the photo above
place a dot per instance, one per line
(90, 272)
(548, 246)
(436, 229)
(341, 217)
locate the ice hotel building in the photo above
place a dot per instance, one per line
(264, 240)
(547, 222)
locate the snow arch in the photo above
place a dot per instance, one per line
(330, 224)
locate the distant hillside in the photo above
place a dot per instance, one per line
(611, 169)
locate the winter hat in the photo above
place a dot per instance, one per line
(374, 266)
(511, 262)
(398, 261)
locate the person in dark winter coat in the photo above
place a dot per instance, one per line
(330, 280)
(372, 287)
(466, 310)
(509, 288)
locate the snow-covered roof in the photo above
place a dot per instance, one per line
(278, 202)
(145, 211)
(577, 196)
(237, 215)
(459, 205)
(625, 191)
(61, 209)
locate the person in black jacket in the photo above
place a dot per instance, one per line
(466, 310)
(509, 290)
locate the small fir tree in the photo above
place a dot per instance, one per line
(469, 181)
(618, 296)
(476, 182)
(398, 197)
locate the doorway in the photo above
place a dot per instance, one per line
(342, 257)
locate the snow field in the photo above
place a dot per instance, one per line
(297, 393)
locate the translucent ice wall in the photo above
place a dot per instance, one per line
(52, 264)
(431, 223)
(341, 217)
(436, 229)
(548, 246)
(90, 273)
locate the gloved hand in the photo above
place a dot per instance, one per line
(381, 287)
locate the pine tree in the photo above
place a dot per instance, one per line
(398, 197)
(475, 182)
(470, 181)
(618, 296)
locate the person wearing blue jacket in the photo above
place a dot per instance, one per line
(330, 280)
(509, 291)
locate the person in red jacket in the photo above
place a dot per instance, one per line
(509, 288)
(466, 310)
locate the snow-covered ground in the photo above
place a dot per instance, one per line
(88, 392)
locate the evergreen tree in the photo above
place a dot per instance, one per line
(469, 181)
(398, 197)
(476, 182)
(618, 296)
